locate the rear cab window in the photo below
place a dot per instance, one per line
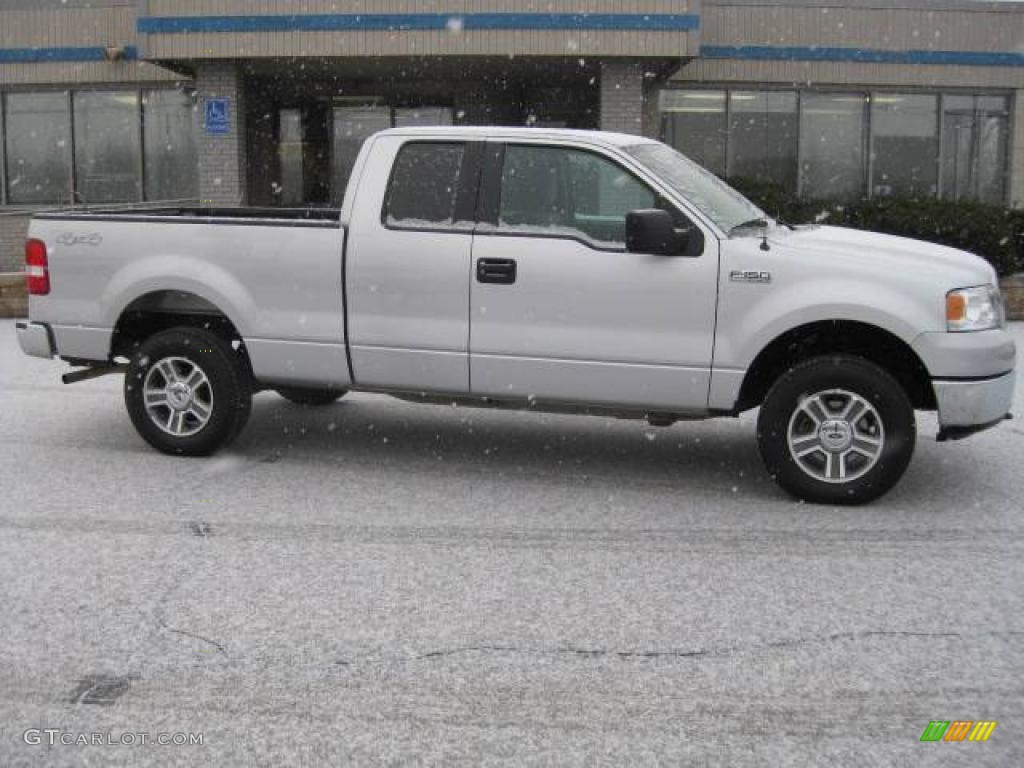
(429, 182)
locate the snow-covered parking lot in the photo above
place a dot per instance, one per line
(383, 583)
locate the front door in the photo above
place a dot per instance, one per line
(561, 313)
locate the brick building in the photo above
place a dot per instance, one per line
(265, 102)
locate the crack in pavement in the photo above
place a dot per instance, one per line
(177, 576)
(681, 654)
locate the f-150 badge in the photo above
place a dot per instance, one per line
(750, 276)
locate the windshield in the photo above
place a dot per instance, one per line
(712, 196)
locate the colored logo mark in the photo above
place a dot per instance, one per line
(958, 730)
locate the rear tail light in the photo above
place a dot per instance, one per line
(37, 271)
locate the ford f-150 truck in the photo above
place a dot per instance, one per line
(554, 270)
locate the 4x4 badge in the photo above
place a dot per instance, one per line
(70, 238)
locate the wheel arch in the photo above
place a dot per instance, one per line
(873, 343)
(158, 310)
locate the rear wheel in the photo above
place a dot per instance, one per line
(836, 430)
(311, 397)
(188, 392)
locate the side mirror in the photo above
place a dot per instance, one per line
(653, 231)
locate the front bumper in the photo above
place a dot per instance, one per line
(34, 339)
(966, 406)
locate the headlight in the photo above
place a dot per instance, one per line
(974, 309)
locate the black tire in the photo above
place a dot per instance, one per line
(225, 397)
(311, 397)
(861, 460)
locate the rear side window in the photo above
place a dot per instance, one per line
(424, 186)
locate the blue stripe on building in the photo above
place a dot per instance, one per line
(37, 55)
(165, 25)
(865, 55)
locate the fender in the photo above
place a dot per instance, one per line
(172, 272)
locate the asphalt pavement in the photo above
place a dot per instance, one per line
(380, 583)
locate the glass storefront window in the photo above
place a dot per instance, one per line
(423, 116)
(38, 134)
(170, 146)
(763, 133)
(352, 126)
(974, 148)
(904, 144)
(289, 153)
(816, 142)
(832, 150)
(107, 146)
(694, 123)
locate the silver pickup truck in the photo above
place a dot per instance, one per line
(539, 269)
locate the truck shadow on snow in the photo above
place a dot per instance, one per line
(711, 457)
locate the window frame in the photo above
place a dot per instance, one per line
(489, 200)
(466, 192)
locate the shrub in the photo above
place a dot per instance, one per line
(991, 231)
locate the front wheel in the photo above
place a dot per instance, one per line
(836, 430)
(188, 392)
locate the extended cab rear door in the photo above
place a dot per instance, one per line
(560, 311)
(408, 264)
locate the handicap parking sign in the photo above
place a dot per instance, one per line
(217, 121)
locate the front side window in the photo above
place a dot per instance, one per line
(569, 193)
(424, 186)
(38, 148)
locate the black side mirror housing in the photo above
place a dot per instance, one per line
(653, 231)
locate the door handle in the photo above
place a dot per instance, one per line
(498, 271)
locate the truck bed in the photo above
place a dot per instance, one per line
(274, 274)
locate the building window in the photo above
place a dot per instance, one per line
(832, 145)
(694, 122)
(107, 147)
(289, 153)
(170, 146)
(352, 125)
(38, 149)
(904, 144)
(974, 154)
(763, 132)
(921, 144)
(115, 132)
(429, 116)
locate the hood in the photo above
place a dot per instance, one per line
(888, 253)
